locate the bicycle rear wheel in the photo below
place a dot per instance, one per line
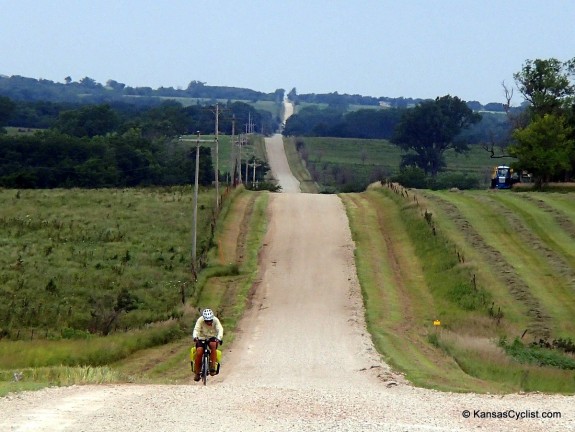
(205, 368)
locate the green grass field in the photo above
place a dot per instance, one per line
(15, 131)
(68, 257)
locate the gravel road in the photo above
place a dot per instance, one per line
(303, 360)
(279, 164)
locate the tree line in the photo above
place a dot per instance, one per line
(164, 118)
(333, 122)
(371, 123)
(89, 90)
(344, 101)
(107, 145)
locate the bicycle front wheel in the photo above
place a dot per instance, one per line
(205, 368)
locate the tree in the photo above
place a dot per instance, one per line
(431, 128)
(292, 96)
(475, 105)
(89, 83)
(90, 120)
(313, 121)
(544, 143)
(279, 95)
(545, 148)
(115, 85)
(546, 84)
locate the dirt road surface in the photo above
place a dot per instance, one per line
(303, 360)
(279, 164)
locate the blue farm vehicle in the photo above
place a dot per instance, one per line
(503, 177)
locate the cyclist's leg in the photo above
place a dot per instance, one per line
(198, 359)
(213, 355)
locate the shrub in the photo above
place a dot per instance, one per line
(411, 177)
(70, 333)
(269, 186)
(537, 356)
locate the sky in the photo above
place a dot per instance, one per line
(391, 48)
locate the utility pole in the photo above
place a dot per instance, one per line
(195, 218)
(217, 160)
(250, 126)
(240, 157)
(195, 222)
(254, 165)
(233, 161)
(246, 177)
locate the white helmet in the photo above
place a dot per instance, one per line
(208, 315)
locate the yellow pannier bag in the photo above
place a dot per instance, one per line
(193, 356)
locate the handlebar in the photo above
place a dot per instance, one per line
(204, 340)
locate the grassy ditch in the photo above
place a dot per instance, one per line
(422, 258)
(298, 167)
(159, 222)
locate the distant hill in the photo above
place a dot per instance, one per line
(87, 90)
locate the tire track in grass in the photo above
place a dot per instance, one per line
(467, 212)
(381, 273)
(405, 269)
(239, 235)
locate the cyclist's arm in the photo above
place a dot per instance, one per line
(197, 327)
(219, 328)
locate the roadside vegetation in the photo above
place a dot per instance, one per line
(298, 167)
(493, 270)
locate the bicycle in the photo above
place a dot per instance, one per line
(205, 364)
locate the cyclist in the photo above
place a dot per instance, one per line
(207, 326)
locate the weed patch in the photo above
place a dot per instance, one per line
(534, 355)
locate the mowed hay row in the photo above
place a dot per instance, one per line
(527, 250)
